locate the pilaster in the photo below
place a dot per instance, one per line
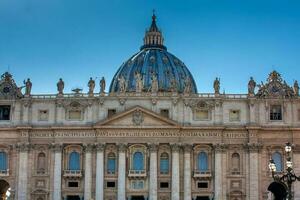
(122, 171)
(88, 148)
(100, 171)
(57, 150)
(153, 172)
(175, 172)
(23, 149)
(187, 171)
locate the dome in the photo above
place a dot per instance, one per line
(153, 61)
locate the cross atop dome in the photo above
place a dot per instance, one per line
(153, 36)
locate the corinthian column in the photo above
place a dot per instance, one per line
(88, 172)
(57, 148)
(122, 172)
(187, 172)
(220, 192)
(175, 172)
(253, 171)
(23, 167)
(153, 172)
(100, 172)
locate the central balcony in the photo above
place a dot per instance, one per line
(73, 173)
(202, 174)
(137, 173)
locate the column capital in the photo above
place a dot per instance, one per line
(100, 146)
(187, 147)
(253, 147)
(220, 147)
(23, 147)
(122, 147)
(87, 148)
(56, 147)
(153, 147)
(175, 147)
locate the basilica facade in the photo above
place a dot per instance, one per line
(150, 136)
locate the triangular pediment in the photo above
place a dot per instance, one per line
(138, 117)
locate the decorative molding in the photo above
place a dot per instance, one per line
(100, 147)
(122, 100)
(175, 147)
(88, 148)
(254, 147)
(220, 147)
(187, 148)
(153, 147)
(23, 147)
(56, 147)
(122, 147)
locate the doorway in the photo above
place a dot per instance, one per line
(137, 198)
(202, 198)
(73, 197)
(4, 190)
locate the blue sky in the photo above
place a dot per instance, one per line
(78, 39)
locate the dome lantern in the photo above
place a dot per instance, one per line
(153, 36)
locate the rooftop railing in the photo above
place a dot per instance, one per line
(133, 94)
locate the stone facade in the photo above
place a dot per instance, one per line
(190, 145)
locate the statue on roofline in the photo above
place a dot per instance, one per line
(217, 86)
(91, 85)
(102, 85)
(251, 86)
(60, 86)
(296, 88)
(28, 86)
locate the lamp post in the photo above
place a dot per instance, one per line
(289, 176)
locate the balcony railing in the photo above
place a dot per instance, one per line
(202, 174)
(4, 172)
(137, 173)
(72, 173)
(111, 172)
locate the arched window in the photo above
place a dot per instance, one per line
(138, 161)
(41, 163)
(235, 160)
(278, 161)
(164, 163)
(3, 161)
(111, 163)
(74, 161)
(202, 161)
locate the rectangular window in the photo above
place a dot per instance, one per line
(298, 114)
(275, 112)
(75, 115)
(201, 115)
(234, 115)
(202, 185)
(164, 113)
(73, 184)
(43, 115)
(110, 184)
(4, 112)
(111, 112)
(164, 185)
